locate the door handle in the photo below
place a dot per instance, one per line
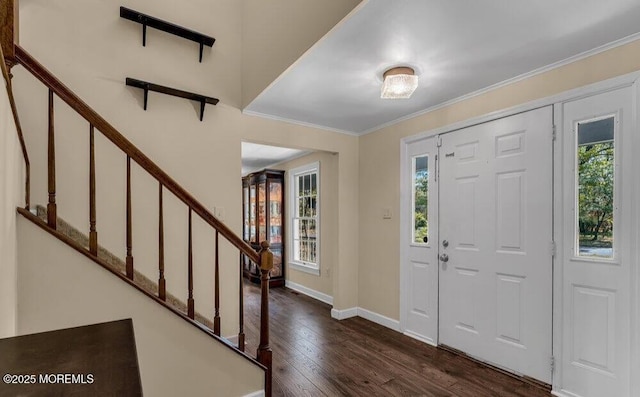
(444, 258)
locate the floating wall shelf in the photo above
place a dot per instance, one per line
(146, 86)
(147, 20)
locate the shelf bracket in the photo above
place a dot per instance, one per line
(146, 97)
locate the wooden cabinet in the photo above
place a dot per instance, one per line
(263, 220)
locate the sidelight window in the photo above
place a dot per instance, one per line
(420, 199)
(595, 179)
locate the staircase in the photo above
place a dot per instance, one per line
(125, 270)
(149, 286)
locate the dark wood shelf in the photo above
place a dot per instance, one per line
(147, 20)
(147, 86)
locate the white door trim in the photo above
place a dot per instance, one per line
(630, 79)
(558, 238)
(405, 221)
(635, 236)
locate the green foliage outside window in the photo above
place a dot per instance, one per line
(421, 205)
(595, 194)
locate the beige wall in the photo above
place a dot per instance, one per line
(92, 50)
(277, 32)
(328, 221)
(380, 164)
(11, 196)
(175, 358)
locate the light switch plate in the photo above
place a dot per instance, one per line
(386, 213)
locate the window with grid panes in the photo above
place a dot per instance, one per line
(305, 225)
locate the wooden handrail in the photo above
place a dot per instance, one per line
(64, 93)
(14, 110)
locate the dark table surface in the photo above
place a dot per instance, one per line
(92, 360)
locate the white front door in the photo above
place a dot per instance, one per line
(496, 234)
(597, 211)
(419, 278)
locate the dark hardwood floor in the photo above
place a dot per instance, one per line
(315, 355)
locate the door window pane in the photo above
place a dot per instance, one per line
(595, 188)
(420, 214)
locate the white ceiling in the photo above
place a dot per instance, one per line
(256, 157)
(457, 47)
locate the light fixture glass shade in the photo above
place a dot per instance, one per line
(399, 83)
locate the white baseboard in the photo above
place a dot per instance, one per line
(344, 314)
(259, 393)
(563, 393)
(368, 315)
(379, 319)
(328, 299)
(428, 341)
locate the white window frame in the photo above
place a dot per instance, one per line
(293, 208)
(413, 201)
(614, 259)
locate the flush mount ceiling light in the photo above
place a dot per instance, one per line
(399, 82)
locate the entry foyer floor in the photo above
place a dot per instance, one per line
(315, 355)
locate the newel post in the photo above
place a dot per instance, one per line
(9, 29)
(264, 351)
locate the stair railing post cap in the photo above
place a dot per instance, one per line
(266, 257)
